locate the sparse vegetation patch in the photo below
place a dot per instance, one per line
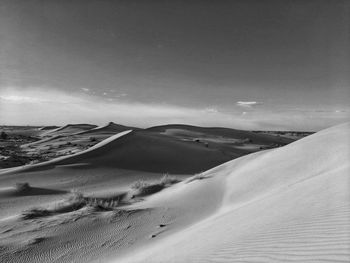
(74, 202)
(144, 188)
(22, 187)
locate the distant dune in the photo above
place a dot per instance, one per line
(109, 128)
(69, 129)
(146, 151)
(46, 128)
(218, 131)
(176, 148)
(159, 149)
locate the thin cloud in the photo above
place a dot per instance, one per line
(211, 110)
(248, 104)
(318, 110)
(21, 99)
(18, 110)
(121, 95)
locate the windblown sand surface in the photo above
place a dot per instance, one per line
(285, 205)
(289, 204)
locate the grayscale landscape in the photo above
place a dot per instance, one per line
(174, 131)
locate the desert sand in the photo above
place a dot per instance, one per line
(201, 148)
(287, 204)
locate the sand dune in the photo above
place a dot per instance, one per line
(223, 144)
(69, 129)
(290, 204)
(45, 140)
(180, 129)
(67, 141)
(145, 151)
(168, 149)
(46, 128)
(110, 128)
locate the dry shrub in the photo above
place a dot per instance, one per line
(139, 184)
(20, 187)
(168, 180)
(35, 213)
(147, 188)
(73, 203)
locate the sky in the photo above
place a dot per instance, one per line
(246, 64)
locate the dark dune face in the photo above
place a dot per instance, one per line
(30, 191)
(225, 132)
(151, 152)
(170, 149)
(175, 148)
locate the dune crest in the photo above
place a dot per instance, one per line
(68, 129)
(108, 128)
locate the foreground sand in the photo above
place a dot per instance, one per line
(286, 205)
(289, 204)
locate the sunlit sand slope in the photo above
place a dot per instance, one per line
(290, 204)
(69, 129)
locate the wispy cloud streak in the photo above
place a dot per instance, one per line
(248, 104)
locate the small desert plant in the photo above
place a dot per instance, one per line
(139, 184)
(3, 135)
(150, 189)
(146, 188)
(35, 213)
(167, 180)
(20, 187)
(73, 203)
(92, 139)
(79, 199)
(198, 176)
(76, 195)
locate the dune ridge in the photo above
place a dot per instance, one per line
(69, 129)
(284, 205)
(66, 159)
(220, 131)
(108, 128)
